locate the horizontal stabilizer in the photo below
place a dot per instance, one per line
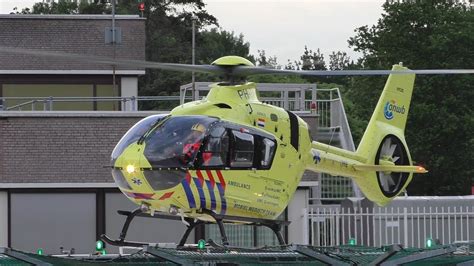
(392, 168)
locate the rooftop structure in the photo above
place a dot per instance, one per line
(35, 76)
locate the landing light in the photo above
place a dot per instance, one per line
(430, 243)
(352, 241)
(99, 245)
(201, 244)
(173, 210)
(130, 168)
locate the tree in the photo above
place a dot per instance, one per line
(339, 61)
(424, 35)
(215, 43)
(169, 34)
(312, 60)
(267, 62)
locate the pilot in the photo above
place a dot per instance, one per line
(193, 142)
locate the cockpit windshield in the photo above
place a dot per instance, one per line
(174, 142)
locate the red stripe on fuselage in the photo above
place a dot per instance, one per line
(221, 179)
(166, 195)
(140, 195)
(200, 177)
(188, 178)
(209, 174)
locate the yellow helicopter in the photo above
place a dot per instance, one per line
(231, 158)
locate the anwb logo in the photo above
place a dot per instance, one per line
(390, 107)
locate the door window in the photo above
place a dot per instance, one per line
(243, 149)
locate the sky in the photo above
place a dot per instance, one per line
(283, 27)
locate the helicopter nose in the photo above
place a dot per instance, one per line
(128, 168)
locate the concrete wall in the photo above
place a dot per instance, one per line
(129, 87)
(53, 220)
(297, 214)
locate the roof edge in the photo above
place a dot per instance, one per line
(78, 16)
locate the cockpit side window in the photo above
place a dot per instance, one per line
(175, 142)
(216, 149)
(242, 152)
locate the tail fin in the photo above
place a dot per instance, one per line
(383, 142)
(391, 112)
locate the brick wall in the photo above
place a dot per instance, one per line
(60, 148)
(77, 34)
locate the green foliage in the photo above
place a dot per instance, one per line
(266, 61)
(425, 35)
(215, 43)
(339, 61)
(309, 61)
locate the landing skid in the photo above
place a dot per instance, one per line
(274, 225)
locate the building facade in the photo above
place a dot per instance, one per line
(24, 78)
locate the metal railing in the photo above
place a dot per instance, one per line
(379, 226)
(332, 116)
(290, 96)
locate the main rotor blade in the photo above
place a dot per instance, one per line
(227, 70)
(246, 70)
(116, 62)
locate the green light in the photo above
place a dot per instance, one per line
(201, 244)
(99, 245)
(429, 243)
(352, 241)
(104, 252)
(39, 251)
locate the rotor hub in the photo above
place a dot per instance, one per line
(232, 60)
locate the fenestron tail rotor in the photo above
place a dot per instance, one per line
(229, 66)
(391, 152)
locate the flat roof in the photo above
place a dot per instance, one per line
(78, 16)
